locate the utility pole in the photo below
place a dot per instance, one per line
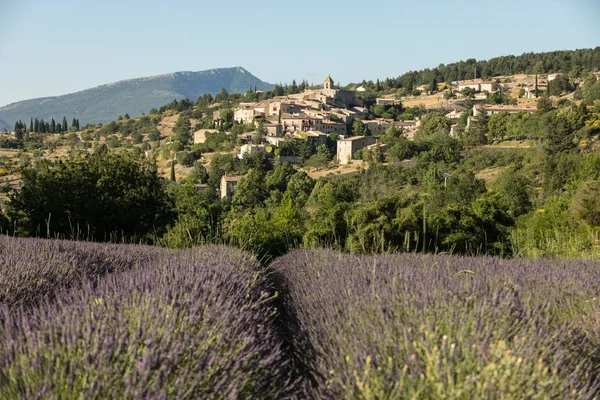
(446, 175)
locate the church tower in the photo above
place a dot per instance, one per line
(328, 84)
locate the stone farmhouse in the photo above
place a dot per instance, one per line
(347, 148)
(249, 149)
(496, 109)
(228, 184)
(480, 86)
(200, 135)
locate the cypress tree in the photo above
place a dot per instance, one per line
(36, 126)
(19, 131)
(31, 125)
(74, 123)
(173, 171)
(52, 126)
(64, 124)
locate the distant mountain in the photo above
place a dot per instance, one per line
(4, 125)
(134, 96)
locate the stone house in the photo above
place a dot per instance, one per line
(347, 148)
(385, 102)
(250, 149)
(314, 138)
(378, 126)
(496, 109)
(228, 184)
(200, 135)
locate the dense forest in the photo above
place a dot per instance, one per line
(576, 63)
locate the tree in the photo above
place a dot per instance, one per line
(181, 130)
(433, 88)
(434, 123)
(103, 197)
(64, 124)
(468, 92)
(199, 173)
(278, 178)
(317, 161)
(261, 133)
(222, 96)
(537, 69)
(586, 204)
(250, 190)
(359, 129)
(498, 125)
(173, 171)
(544, 104)
(559, 138)
(154, 135)
(516, 191)
(300, 187)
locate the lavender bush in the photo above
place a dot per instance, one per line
(197, 324)
(82, 320)
(436, 327)
(32, 269)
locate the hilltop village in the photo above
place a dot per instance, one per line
(429, 161)
(329, 113)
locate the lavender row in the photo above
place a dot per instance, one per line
(429, 327)
(199, 324)
(34, 269)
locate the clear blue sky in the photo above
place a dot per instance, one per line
(61, 46)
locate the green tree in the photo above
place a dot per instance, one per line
(64, 124)
(586, 203)
(544, 104)
(278, 178)
(359, 129)
(468, 93)
(558, 138)
(434, 123)
(105, 196)
(498, 126)
(516, 191)
(173, 171)
(261, 133)
(250, 191)
(299, 187)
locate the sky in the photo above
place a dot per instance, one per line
(49, 48)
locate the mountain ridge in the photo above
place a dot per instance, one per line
(134, 96)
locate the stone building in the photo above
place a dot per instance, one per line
(228, 184)
(346, 148)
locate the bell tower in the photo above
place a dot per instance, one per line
(328, 84)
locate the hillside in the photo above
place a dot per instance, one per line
(135, 96)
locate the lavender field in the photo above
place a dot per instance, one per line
(83, 320)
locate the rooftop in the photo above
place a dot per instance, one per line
(232, 178)
(351, 139)
(504, 107)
